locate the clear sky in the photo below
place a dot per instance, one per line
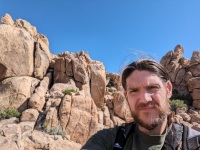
(113, 31)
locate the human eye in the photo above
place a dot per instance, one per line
(133, 91)
(154, 87)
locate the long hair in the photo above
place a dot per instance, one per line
(144, 64)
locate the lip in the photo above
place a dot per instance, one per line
(147, 109)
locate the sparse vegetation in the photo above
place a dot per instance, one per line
(187, 99)
(67, 91)
(9, 113)
(55, 131)
(177, 103)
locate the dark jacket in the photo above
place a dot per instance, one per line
(120, 137)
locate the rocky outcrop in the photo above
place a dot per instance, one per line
(67, 95)
(185, 77)
(24, 52)
(7, 19)
(184, 73)
(88, 75)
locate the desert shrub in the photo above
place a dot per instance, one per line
(177, 103)
(187, 99)
(67, 91)
(9, 113)
(52, 130)
(55, 131)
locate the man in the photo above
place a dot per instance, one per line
(147, 89)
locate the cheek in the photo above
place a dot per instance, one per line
(160, 98)
(131, 103)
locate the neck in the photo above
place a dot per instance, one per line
(157, 131)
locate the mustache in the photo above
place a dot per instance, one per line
(147, 105)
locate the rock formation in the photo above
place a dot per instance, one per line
(184, 73)
(64, 99)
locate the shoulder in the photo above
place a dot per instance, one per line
(193, 139)
(190, 138)
(102, 140)
(192, 133)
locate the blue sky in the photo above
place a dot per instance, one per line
(114, 32)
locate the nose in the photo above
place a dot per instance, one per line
(145, 96)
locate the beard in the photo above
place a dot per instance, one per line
(151, 120)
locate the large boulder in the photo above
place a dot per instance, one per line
(195, 70)
(39, 140)
(195, 59)
(60, 75)
(171, 61)
(15, 92)
(51, 120)
(29, 115)
(121, 107)
(194, 66)
(11, 137)
(63, 69)
(196, 104)
(165, 60)
(16, 49)
(42, 59)
(98, 83)
(193, 83)
(37, 100)
(80, 74)
(78, 117)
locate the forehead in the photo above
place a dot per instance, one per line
(143, 78)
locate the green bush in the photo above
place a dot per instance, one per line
(65, 92)
(187, 99)
(177, 103)
(9, 113)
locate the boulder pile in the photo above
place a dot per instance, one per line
(184, 73)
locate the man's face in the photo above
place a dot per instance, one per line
(148, 98)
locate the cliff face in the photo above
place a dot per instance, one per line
(66, 98)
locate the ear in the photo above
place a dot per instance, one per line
(169, 89)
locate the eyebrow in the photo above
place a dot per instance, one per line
(136, 87)
(132, 88)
